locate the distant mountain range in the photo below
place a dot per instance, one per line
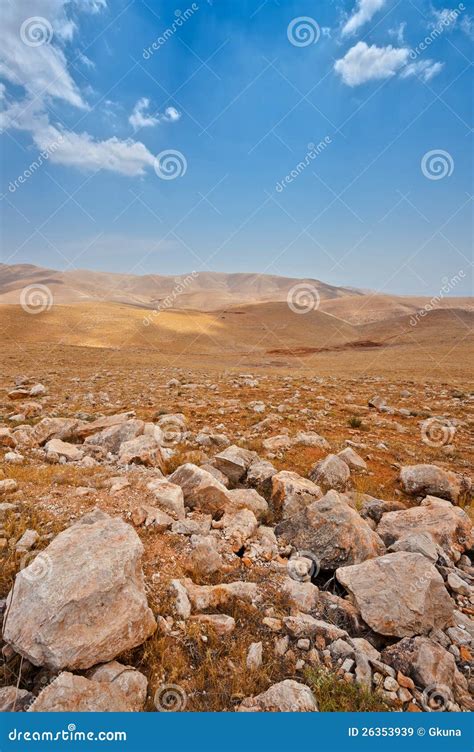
(212, 291)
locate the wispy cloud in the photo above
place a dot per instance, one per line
(34, 57)
(142, 118)
(364, 12)
(423, 69)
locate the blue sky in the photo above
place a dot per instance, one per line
(241, 90)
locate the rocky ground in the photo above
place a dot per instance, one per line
(189, 540)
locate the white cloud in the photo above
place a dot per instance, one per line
(366, 9)
(467, 25)
(41, 70)
(423, 69)
(141, 118)
(82, 151)
(398, 32)
(363, 63)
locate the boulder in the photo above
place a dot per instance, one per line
(69, 693)
(259, 476)
(168, 496)
(419, 480)
(144, 450)
(352, 459)
(131, 682)
(154, 517)
(238, 527)
(247, 498)
(285, 697)
(234, 462)
(64, 429)
(331, 472)
(448, 526)
(332, 531)
(400, 594)
(7, 439)
(13, 699)
(201, 490)
(59, 448)
(220, 623)
(87, 429)
(291, 493)
(203, 597)
(310, 439)
(85, 603)
(254, 656)
(417, 543)
(205, 558)
(424, 661)
(113, 437)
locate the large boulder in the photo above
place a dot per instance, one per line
(55, 428)
(234, 462)
(201, 490)
(332, 531)
(76, 694)
(449, 526)
(400, 594)
(85, 602)
(331, 472)
(291, 493)
(259, 476)
(285, 697)
(113, 437)
(169, 497)
(143, 450)
(418, 480)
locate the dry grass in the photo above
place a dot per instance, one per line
(15, 524)
(334, 695)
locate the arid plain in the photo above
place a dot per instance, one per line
(299, 481)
